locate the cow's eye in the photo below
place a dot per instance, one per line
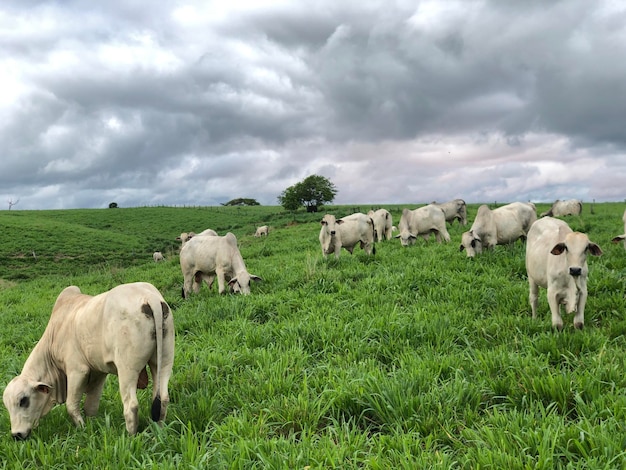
(24, 402)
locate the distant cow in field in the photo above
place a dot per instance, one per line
(347, 232)
(562, 208)
(204, 258)
(454, 210)
(264, 230)
(158, 256)
(117, 332)
(382, 224)
(556, 260)
(619, 238)
(422, 221)
(186, 236)
(500, 226)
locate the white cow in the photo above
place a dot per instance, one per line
(347, 233)
(422, 221)
(264, 230)
(500, 226)
(203, 258)
(116, 332)
(158, 256)
(622, 237)
(454, 210)
(561, 208)
(556, 259)
(382, 224)
(186, 236)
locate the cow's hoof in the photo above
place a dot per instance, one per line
(579, 325)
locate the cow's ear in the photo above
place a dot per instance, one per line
(340, 221)
(618, 239)
(594, 249)
(558, 249)
(42, 387)
(255, 278)
(461, 248)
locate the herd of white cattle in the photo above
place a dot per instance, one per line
(123, 330)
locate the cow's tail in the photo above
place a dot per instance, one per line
(160, 314)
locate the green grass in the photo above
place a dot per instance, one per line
(416, 357)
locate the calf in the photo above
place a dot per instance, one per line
(561, 208)
(556, 260)
(203, 258)
(347, 233)
(117, 332)
(264, 230)
(500, 226)
(382, 224)
(422, 221)
(158, 256)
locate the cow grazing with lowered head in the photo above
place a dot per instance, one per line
(347, 232)
(204, 258)
(454, 210)
(500, 226)
(556, 260)
(157, 256)
(619, 238)
(186, 236)
(562, 208)
(422, 221)
(262, 231)
(116, 332)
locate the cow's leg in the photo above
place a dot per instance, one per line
(197, 282)
(221, 280)
(579, 318)
(76, 382)
(533, 296)
(555, 310)
(93, 393)
(128, 392)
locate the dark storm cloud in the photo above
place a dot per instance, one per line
(204, 102)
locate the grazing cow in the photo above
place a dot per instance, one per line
(203, 258)
(347, 233)
(262, 231)
(500, 226)
(116, 332)
(561, 208)
(382, 224)
(556, 259)
(186, 236)
(157, 256)
(619, 238)
(454, 210)
(422, 221)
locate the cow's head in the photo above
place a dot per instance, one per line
(471, 243)
(329, 224)
(406, 237)
(240, 284)
(26, 401)
(575, 248)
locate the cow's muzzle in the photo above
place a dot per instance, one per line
(21, 436)
(575, 271)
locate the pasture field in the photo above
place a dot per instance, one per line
(416, 357)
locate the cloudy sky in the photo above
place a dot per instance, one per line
(200, 102)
